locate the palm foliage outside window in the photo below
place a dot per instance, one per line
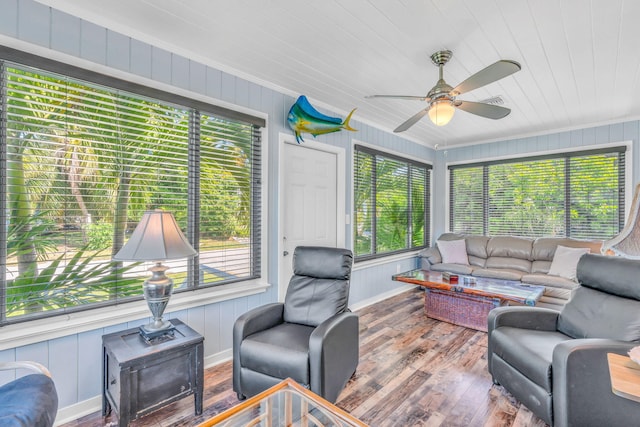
(579, 195)
(391, 196)
(83, 162)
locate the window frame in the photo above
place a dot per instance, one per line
(59, 324)
(625, 175)
(360, 147)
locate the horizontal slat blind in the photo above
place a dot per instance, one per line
(527, 199)
(597, 196)
(364, 201)
(225, 191)
(85, 161)
(578, 195)
(419, 208)
(391, 203)
(465, 209)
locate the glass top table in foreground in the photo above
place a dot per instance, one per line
(285, 404)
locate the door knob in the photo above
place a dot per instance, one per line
(285, 253)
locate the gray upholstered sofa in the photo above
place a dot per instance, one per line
(555, 363)
(512, 258)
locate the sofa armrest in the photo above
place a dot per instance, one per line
(429, 257)
(333, 354)
(582, 392)
(258, 319)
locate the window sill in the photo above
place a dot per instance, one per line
(21, 334)
(385, 260)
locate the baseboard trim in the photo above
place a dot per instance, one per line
(381, 297)
(94, 404)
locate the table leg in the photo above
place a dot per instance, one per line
(199, 366)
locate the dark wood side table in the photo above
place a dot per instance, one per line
(139, 378)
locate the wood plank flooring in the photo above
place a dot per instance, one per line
(413, 371)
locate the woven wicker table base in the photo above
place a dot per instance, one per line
(461, 309)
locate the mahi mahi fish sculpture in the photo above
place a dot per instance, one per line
(304, 118)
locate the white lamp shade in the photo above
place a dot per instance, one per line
(156, 238)
(441, 112)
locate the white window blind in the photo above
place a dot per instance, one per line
(83, 162)
(578, 195)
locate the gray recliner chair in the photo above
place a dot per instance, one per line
(312, 337)
(555, 363)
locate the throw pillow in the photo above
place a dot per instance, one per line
(453, 251)
(565, 261)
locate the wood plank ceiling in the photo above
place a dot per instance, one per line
(580, 59)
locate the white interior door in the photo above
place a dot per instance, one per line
(311, 199)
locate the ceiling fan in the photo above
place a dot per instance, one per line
(442, 97)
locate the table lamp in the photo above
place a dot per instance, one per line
(156, 238)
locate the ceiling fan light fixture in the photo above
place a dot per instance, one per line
(441, 112)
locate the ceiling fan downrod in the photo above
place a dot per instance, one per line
(441, 89)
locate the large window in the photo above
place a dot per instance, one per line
(578, 195)
(391, 203)
(84, 160)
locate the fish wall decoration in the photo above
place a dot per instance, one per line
(304, 118)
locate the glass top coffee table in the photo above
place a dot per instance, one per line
(285, 404)
(468, 302)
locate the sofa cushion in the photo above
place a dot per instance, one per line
(477, 261)
(557, 293)
(453, 251)
(510, 247)
(591, 313)
(477, 246)
(550, 302)
(555, 282)
(498, 273)
(453, 268)
(528, 350)
(565, 261)
(540, 267)
(498, 262)
(544, 248)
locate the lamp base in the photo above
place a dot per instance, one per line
(151, 335)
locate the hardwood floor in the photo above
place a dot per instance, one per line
(413, 371)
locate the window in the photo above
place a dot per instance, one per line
(391, 197)
(85, 158)
(578, 195)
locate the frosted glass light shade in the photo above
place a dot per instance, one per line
(441, 112)
(157, 237)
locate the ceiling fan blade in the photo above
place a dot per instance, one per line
(492, 73)
(412, 120)
(417, 98)
(485, 110)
